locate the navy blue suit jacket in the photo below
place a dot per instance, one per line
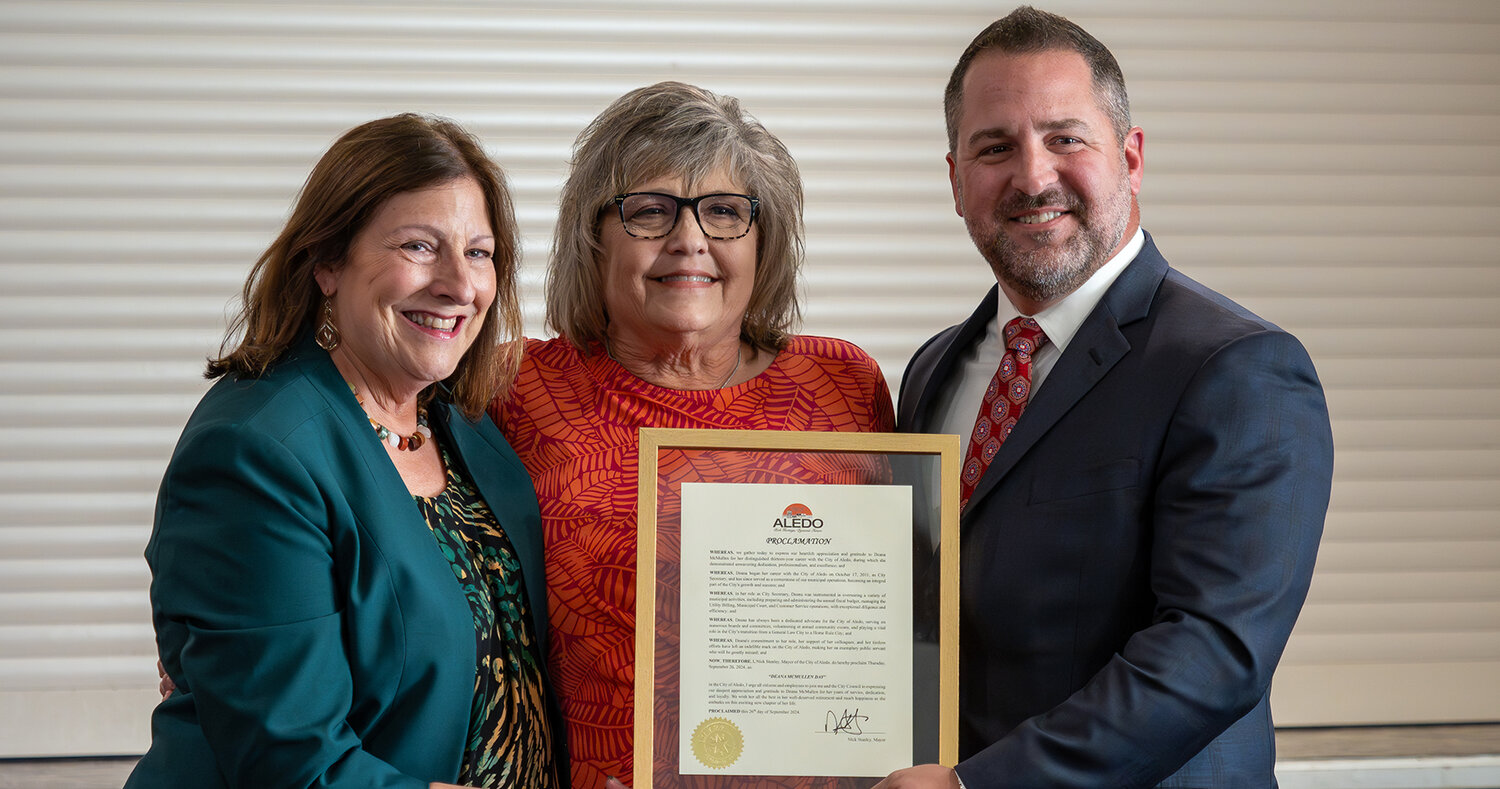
(1135, 556)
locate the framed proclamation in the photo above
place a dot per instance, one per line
(796, 608)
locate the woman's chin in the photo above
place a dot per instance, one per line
(420, 374)
(686, 330)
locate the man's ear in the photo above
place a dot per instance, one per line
(1135, 157)
(958, 200)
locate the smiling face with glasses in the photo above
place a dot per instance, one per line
(721, 216)
(673, 286)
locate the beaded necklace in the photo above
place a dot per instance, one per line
(395, 440)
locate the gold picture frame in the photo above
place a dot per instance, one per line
(919, 468)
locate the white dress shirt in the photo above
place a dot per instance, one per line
(957, 406)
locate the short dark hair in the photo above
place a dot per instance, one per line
(367, 166)
(1027, 30)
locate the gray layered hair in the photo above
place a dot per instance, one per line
(675, 130)
(1027, 31)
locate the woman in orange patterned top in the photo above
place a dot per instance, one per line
(672, 287)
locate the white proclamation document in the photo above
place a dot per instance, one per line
(796, 635)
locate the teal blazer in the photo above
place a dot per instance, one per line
(316, 635)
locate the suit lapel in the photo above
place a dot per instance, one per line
(371, 483)
(928, 380)
(493, 483)
(373, 473)
(1093, 351)
(500, 480)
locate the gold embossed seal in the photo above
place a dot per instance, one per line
(717, 743)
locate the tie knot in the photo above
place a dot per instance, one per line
(1024, 335)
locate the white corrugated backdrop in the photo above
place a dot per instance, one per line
(1331, 164)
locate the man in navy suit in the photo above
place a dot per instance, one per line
(1140, 543)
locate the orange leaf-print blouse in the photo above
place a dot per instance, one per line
(573, 419)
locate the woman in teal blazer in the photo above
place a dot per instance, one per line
(347, 564)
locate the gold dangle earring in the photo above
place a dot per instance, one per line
(328, 334)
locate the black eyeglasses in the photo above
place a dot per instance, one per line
(723, 217)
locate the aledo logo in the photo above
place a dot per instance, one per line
(796, 517)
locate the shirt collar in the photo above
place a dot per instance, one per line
(1062, 320)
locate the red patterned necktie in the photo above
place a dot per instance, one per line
(1004, 401)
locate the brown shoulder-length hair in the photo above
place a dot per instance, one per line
(366, 167)
(673, 129)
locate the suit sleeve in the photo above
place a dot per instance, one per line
(1236, 511)
(914, 379)
(249, 614)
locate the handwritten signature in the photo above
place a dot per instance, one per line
(847, 723)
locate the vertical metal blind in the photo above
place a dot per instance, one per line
(1332, 165)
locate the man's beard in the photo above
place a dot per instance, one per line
(1052, 267)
